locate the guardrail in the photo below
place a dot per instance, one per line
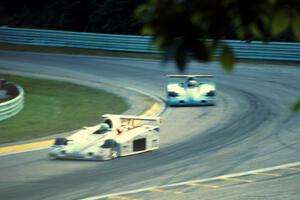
(276, 51)
(14, 106)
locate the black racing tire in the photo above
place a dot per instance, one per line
(61, 141)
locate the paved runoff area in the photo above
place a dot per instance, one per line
(218, 185)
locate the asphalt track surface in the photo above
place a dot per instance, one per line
(250, 128)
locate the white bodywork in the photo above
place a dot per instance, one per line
(118, 135)
(190, 90)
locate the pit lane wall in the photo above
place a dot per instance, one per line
(255, 50)
(15, 102)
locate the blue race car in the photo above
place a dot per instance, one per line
(189, 90)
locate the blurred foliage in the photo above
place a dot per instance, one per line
(182, 27)
(194, 28)
(295, 106)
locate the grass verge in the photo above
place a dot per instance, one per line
(52, 107)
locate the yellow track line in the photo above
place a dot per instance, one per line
(291, 168)
(123, 198)
(26, 147)
(164, 190)
(203, 185)
(266, 174)
(237, 180)
(118, 197)
(216, 178)
(152, 111)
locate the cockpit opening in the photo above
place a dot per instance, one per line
(103, 129)
(192, 83)
(108, 122)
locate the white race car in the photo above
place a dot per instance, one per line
(118, 135)
(190, 90)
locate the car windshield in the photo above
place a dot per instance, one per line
(103, 129)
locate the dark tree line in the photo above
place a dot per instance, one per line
(104, 16)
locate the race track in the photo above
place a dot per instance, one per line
(250, 128)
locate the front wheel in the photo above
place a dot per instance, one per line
(60, 141)
(114, 154)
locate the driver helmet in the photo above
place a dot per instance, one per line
(192, 83)
(104, 127)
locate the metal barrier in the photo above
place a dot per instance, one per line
(276, 51)
(14, 106)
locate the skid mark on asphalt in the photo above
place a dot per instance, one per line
(228, 180)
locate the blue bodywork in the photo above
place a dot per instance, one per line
(191, 92)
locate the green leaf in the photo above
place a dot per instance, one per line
(296, 26)
(160, 41)
(255, 31)
(140, 10)
(227, 59)
(241, 33)
(265, 20)
(199, 50)
(280, 22)
(180, 58)
(295, 106)
(212, 48)
(272, 1)
(196, 18)
(147, 30)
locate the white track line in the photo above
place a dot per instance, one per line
(195, 181)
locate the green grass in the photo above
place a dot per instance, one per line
(52, 107)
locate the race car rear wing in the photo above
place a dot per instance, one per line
(190, 76)
(133, 117)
